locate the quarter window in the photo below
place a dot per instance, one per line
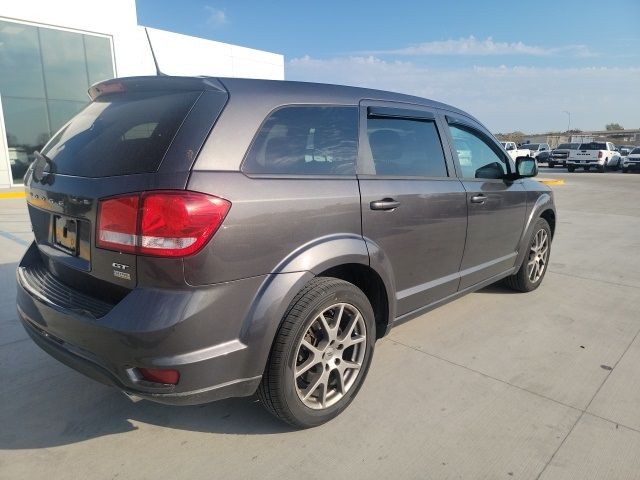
(477, 158)
(306, 140)
(404, 147)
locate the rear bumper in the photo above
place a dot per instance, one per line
(585, 163)
(197, 331)
(72, 357)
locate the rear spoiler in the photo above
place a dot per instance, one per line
(154, 83)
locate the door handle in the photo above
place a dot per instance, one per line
(384, 204)
(478, 199)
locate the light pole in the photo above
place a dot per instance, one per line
(569, 115)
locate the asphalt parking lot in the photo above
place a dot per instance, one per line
(495, 385)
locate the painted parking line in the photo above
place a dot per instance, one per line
(551, 181)
(12, 195)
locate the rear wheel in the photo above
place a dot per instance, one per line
(586, 169)
(321, 354)
(535, 262)
(551, 164)
(602, 168)
(625, 170)
(571, 168)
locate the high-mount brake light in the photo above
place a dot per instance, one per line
(159, 223)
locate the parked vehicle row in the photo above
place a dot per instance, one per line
(514, 151)
(588, 154)
(539, 151)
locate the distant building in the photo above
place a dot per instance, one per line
(52, 51)
(618, 137)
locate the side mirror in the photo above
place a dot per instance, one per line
(526, 167)
(492, 170)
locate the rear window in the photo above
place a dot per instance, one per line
(306, 140)
(593, 146)
(120, 134)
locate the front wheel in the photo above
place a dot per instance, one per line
(571, 168)
(551, 164)
(534, 265)
(321, 353)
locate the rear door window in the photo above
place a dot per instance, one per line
(120, 134)
(406, 147)
(306, 140)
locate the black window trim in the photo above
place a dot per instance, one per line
(301, 176)
(399, 113)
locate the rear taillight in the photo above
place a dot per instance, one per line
(600, 154)
(160, 375)
(159, 223)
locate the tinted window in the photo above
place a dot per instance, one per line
(566, 146)
(406, 147)
(303, 140)
(478, 158)
(635, 150)
(593, 146)
(120, 134)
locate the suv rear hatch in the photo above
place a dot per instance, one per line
(138, 134)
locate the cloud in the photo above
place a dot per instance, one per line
(473, 46)
(505, 98)
(216, 17)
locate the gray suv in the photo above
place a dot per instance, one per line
(202, 238)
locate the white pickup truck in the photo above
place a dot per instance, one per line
(600, 155)
(515, 152)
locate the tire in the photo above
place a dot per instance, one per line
(625, 170)
(282, 390)
(602, 168)
(586, 169)
(522, 280)
(571, 168)
(551, 164)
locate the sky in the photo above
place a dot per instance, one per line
(515, 65)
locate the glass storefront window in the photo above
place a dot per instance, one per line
(99, 62)
(44, 77)
(27, 126)
(65, 69)
(20, 61)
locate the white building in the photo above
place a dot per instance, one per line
(52, 51)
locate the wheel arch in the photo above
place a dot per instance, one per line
(344, 256)
(370, 282)
(542, 208)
